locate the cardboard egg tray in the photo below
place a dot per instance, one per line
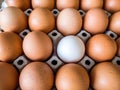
(54, 61)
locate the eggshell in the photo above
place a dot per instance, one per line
(72, 77)
(62, 4)
(36, 76)
(8, 77)
(101, 47)
(69, 21)
(13, 19)
(41, 19)
(105, 76)
(118, 46)
(90, 4)
(10, 46)
(22, 4)
(112, 5)
(37, 46)
(48, 4)
(71, 49)
(115, 23)
(95, 21)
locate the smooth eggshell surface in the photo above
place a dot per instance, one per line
(115, 23)
(37, 46)
(95, 21)
(41, 19)
(13, 19)
(69, 21)
(105, 76)
(72, 77)
(48, 4)
(71, 49)
(22, 4)
(112, 5)
(90, 4)
(101, 47)
(8, 77)
(60, 4)
(10, 46)
(36, 76)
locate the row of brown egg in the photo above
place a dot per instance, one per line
(32, 69)
(42, 19)
(111, 6)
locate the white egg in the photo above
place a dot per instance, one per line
(71, 49)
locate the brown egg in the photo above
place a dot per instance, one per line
(37, 46)
(118, 46)
(41, 19)
(112, 5)
(13, 19)
(101, 47)
(95, 21)
(36, 76)
(48, 4)
(69, 21)
(105, 76)
(115, 23)
(8, 77)
(90, 4)
(60, 4)
(10, 46)
(22, 4)
(72, 77)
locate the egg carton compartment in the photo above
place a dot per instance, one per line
(55, 36)
(87, 63)
(55, 12)
(84, 35)
(111, 34)
(54, 62)
(24, 33)
(21, 62)
(82, 13)
(108, 13)
(28, 11)
(116, 61)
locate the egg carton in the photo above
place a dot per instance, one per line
(54, 61)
